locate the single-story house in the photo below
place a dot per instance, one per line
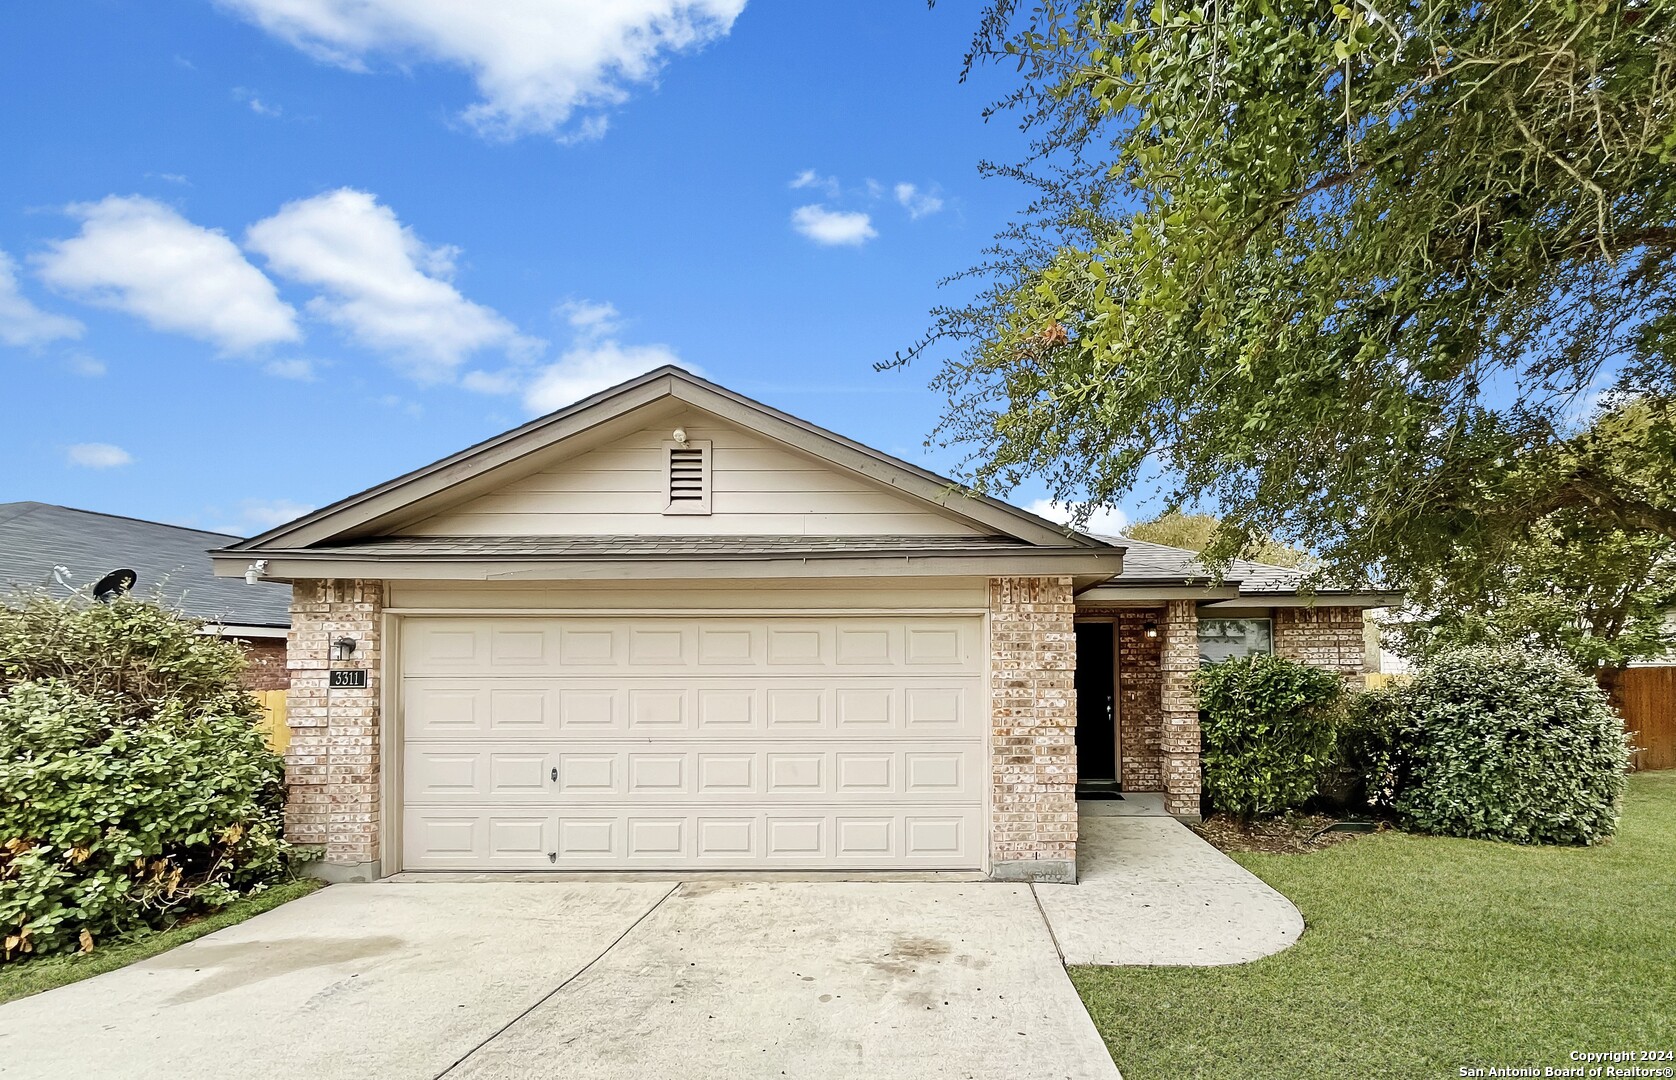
(58, 550)
(670, 628)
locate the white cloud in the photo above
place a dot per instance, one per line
(590, 368)
(537, 63)
(298, 370)
(98, 455)
(88, 367)
(1108, 521)
(381, 284)
(257, 105)
(138, 256)
(590, 319)
(809, 178)
(833, 227)
(595, 359)
(918, 203)
(22, 323)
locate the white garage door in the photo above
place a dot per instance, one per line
(633, 742)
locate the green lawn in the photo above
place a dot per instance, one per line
(1424, 955)
(33, 976)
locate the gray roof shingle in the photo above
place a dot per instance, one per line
(1148, 563)
(171, 562)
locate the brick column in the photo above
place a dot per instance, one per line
(332, 765)
(1180, 739)
(1033, 715)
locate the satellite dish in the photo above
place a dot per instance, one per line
(115, 583)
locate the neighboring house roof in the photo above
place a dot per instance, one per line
(1149, 565)
(170, 561)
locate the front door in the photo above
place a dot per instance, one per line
(1096, 706)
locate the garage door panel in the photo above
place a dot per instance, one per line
(464, 839)
(460, 708)
(436, 709)
(780, 771)
(662, 743)
(816, 837)
(690, 645)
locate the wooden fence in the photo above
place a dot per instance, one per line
(273, 723)
(1647, 698)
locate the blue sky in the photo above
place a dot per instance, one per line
(260, 254)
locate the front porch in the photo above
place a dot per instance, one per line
(1137, 714)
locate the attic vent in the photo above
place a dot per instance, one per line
(688, 476)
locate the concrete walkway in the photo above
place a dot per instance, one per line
(589, 980)
(1151, 892)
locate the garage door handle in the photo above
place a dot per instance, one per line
(555, 775)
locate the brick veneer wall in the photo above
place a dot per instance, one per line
(264, 664)
(1323, 637)
(332, 764)
(1140, 689)
(1033, 711)
(1141, 699)
(1179, 739)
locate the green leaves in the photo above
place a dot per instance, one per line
(134, 786)
(1501, 744)
(1268, 726)
(1337, 271)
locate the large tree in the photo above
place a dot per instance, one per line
(1352, 274)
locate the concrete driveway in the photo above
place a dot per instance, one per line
(638, 980)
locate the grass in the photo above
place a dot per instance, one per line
(48, 972)
(1424, 955)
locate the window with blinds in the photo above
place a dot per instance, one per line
(688, 476)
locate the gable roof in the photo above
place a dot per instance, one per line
(35, 537)
(360, 516)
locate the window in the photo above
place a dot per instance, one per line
(1229, 639)
(688, 477)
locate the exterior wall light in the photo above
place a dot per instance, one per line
(1150, 630)
(343, 648)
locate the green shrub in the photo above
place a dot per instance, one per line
(1501, 744)
(1268, 727)
(1362, 758)
(135, 787)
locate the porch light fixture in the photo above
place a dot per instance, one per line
(343, 648)
(254, 572)
(1150, 630)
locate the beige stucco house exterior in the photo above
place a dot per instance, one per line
(669, 628)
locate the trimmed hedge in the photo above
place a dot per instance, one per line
(1268, 727)
(1496, 744)
(135, 787)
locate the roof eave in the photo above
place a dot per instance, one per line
(1079, 563)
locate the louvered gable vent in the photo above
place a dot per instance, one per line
(688, 476)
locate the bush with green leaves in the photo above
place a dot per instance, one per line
(135, 787)
(1269, 729)
(1498, 743)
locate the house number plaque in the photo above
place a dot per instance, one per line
(349, 679)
